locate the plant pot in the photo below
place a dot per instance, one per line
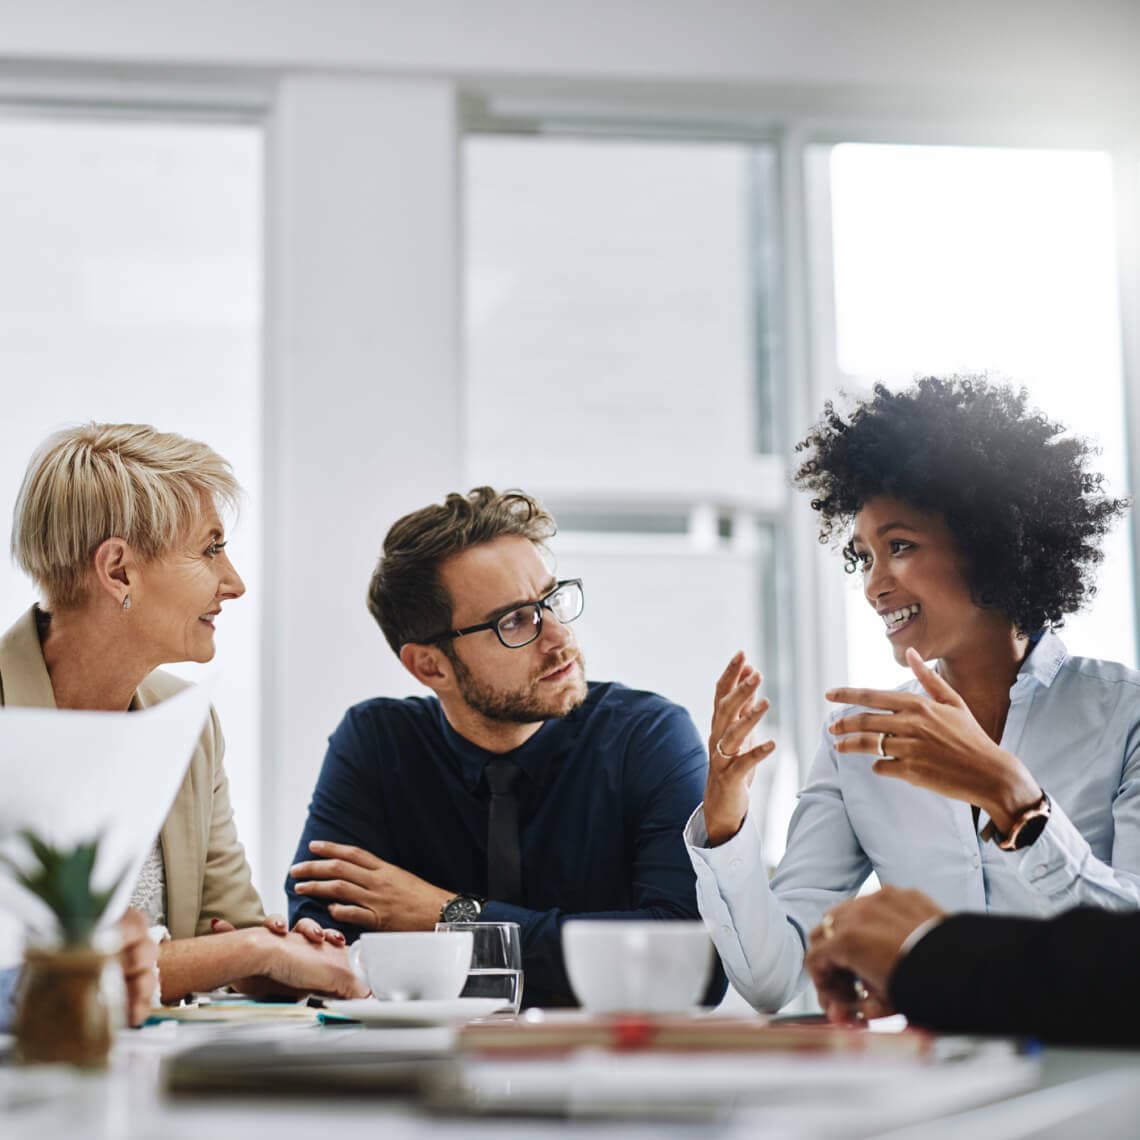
(64, 1012)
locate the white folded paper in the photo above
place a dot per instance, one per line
(71, 776)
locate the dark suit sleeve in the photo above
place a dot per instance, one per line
(1068, 980)
(665, 780)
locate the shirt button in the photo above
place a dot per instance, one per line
(736, 863)
(976, 861)
(726, 929)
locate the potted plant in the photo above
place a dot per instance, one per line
(63, 1011)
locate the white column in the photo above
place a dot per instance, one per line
(362, 398)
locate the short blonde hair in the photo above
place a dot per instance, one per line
(98, 481)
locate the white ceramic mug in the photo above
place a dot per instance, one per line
(411, 965)
(648, 967)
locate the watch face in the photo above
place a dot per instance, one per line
(1030, 832)
(462, 909)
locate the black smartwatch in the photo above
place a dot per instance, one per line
(1026, 827)
(462, 908)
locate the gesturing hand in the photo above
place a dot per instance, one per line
(853, 952)
(366, 891)
(932, 740)
(732, 763)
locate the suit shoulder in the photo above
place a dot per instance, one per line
(391, 714)
(618, 699)
(637, 714)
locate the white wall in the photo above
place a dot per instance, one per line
(362, 395)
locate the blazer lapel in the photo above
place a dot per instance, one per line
(182, 853)
(24, 680)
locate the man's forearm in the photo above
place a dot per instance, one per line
(1068, 979)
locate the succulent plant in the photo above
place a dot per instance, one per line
(61, 878)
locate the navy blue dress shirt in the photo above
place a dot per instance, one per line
(603, 797)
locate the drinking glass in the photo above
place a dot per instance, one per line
(496, 960)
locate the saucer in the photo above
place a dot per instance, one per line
(369, 1011)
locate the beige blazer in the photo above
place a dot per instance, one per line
(206, 873)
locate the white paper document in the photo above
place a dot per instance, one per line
(71, 776)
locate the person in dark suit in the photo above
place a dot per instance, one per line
(1070, 979)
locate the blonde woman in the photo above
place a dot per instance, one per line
(120, 527)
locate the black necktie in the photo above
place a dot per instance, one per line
(504, 860)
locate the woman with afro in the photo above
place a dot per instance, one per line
(1006, 776)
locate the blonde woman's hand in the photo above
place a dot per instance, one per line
(275, 924)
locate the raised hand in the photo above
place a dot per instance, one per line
(932, 740)
(732, 763)
(367, 892)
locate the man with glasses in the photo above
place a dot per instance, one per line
(518, 792)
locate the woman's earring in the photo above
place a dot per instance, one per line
(126, 601)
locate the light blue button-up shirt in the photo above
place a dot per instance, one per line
(1074, 723)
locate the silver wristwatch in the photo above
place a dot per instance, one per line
(462, 908)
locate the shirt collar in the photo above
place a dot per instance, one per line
(532, 757)
(1043, 662)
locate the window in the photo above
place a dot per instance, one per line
(950, 259)
(621, 319)
(130, 290)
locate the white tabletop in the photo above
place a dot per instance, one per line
(993, 1092)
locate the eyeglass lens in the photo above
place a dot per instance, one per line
(521, 626)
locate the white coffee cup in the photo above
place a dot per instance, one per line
(648, 967)
(411, 965)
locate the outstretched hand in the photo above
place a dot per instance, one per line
(732, 762)
(932, 740)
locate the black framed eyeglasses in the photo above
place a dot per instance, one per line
(521, 625)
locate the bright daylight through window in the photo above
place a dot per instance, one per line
(130, 290)
(954, 260)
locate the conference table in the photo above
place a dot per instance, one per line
(958, 1088)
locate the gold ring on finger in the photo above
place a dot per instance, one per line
(721, 752)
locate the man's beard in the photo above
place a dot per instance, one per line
(522, 706)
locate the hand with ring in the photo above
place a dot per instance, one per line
(853, 952)
(933, 742)
(732, 760)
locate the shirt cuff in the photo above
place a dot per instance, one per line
(917, 935)
(1052, 865)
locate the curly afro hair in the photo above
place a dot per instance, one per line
(1016, 493)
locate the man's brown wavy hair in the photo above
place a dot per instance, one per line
(406, 596)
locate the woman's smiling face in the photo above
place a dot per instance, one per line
(915, 578)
